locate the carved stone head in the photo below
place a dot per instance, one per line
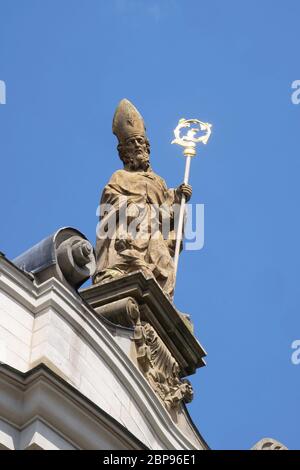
(129, 127)
(134, 153)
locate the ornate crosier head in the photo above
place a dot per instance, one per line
(129, 127)
(189, 141)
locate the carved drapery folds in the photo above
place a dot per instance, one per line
(153, 357)
(159, 366)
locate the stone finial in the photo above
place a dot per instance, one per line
(268, 443)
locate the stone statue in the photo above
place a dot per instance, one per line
(148, 203)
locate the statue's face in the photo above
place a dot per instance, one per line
(136, 144)
(137, 153)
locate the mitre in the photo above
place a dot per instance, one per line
(127, 121)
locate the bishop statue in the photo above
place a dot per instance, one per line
(144, 198)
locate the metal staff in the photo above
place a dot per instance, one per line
(189, 142)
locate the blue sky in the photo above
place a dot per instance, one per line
(67, 63)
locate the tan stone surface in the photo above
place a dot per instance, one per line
(124, 252)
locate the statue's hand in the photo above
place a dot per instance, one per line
(184, 189)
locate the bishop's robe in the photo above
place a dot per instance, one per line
(148, 241)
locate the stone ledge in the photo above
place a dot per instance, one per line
(155, 309)
(40, 394)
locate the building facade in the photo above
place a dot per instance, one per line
(102, 367)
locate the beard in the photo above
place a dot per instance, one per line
(139, 161)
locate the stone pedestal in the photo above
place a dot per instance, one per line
(173, 327)
(164, 347)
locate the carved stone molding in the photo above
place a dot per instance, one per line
(123, 312)
(160, 368)
(155, 309)
(153, 357)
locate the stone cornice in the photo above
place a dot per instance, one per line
(43, 391)
(155, 309)
(69, 305)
